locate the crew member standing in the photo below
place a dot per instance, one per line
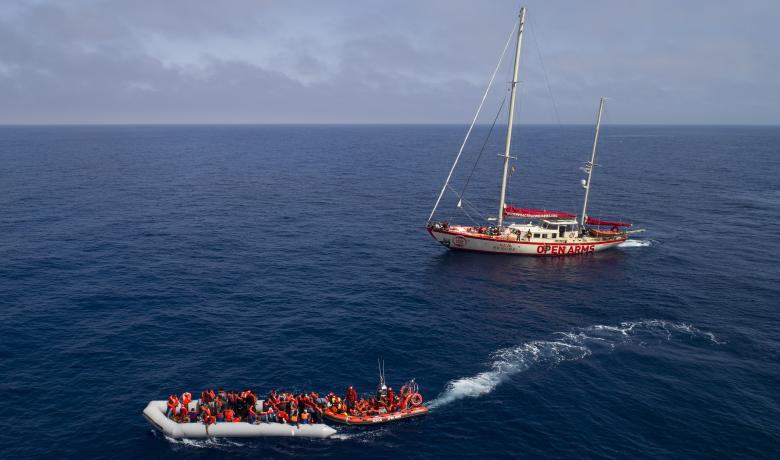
(351, 397)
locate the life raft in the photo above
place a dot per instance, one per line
(377, 419)
(155, 414)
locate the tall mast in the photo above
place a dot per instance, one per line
(589, 166)
(512, 98)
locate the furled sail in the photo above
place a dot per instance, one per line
(592, 221)
(511, 211)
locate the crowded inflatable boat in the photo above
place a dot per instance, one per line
(224, 413)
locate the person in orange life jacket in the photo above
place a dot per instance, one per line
(390, 399)
(173, 404)
(186, 397)
(184, 415)
(251, 398)
(206, 416)
(293, 408)
(272, 397)
(217, 406)
(351, 397)
(282, 417)
(305, 417)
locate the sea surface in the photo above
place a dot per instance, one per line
(137, 261)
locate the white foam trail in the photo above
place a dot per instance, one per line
(203, 443)
(507, 362)
(361, 436)
(636, 244)
(570, 346)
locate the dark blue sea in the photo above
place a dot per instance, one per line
(136, 261)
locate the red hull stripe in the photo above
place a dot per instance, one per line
(619, 240)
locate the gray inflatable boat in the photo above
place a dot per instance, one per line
(155, 414)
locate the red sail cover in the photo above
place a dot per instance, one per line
(592, 221)
(512, 211)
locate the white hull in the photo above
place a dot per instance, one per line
(155, 414)
(462, 241)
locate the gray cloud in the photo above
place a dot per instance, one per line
(106, 61)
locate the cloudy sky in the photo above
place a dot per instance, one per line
(391, 61)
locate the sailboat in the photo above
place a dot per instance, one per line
(543, 232)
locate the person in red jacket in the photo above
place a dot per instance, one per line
(184, 415)
(351, 397)
(390, 400)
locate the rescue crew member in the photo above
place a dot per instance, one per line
(390, 399)
(351, 397)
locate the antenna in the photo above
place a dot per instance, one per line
(381, 365)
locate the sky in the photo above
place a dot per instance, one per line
(399, 61)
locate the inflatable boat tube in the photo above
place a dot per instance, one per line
(375, 419)
(155, 414)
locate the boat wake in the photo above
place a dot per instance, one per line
(361, 436)
(636, 243)
(567, 346)
(200, 443)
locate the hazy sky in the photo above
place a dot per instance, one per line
(396, 61)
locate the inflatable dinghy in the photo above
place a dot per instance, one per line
(375, 419)
(155, 414)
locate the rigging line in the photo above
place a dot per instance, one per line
(476, 224)
(546, 79)
(464, 211)
(476, 115)
(482, 150)
(473, 208)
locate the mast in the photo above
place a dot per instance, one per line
(589, 166)
(512, 98)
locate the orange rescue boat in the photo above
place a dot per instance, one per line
(374, 419)
(407, 404)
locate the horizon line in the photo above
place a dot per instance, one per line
(372, 124)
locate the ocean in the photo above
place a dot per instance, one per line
(139, 261)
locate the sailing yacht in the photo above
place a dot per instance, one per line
(544, 233)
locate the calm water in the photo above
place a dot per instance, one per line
(137, 261)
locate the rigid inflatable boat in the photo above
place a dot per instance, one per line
(155, 414)
(374, 419)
